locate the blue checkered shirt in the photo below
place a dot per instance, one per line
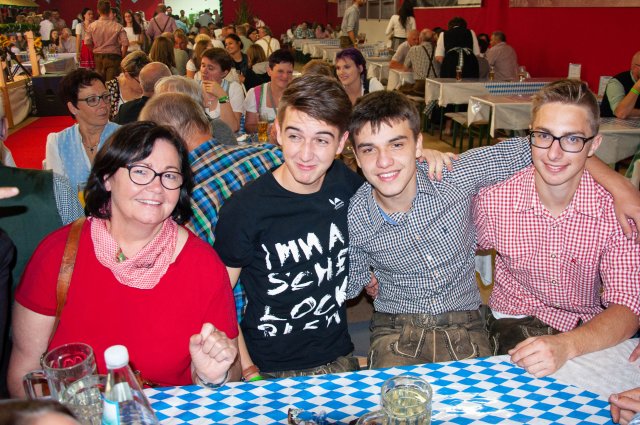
(425, 262)
(219, 171)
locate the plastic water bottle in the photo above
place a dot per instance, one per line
(124, 401)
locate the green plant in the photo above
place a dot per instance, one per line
(13, 28)
(243, 12)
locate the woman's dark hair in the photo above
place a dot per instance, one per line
(136, 26)
(281, 56)
(405, 11)
(162, 51)
(457, 21)
(51, 34)
(131, 143)
(235, 38)
(74, 81)
(356, 56)
(84, 12)
(250, 31)
(23, 412)
(219, 56)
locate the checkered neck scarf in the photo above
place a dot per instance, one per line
(146, 268)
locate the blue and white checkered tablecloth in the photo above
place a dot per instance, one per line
(478, 391)
(497, 88)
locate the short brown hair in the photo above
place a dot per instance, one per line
(322, 98)
(104, 7)
(569, 92)
(384, 107)
(219, 56)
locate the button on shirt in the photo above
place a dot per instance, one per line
(425, 263)
(561, 270)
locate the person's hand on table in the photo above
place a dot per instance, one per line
(540, 355)
(212, 354)
(8, 192)
(624, 405)
(436, 161)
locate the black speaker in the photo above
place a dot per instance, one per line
(45, 92)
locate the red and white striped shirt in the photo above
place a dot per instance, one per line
(561, 270)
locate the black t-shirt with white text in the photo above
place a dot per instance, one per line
(293, 251)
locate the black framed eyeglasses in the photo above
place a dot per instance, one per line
(95, 100)
(143, 175)
(569, 143)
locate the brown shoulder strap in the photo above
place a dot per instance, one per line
(66, 269)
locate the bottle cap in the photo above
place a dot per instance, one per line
(116, 356)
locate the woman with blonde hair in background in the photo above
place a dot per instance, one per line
(126, 86)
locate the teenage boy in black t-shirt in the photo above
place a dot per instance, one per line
(285, 236)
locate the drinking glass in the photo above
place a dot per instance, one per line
(522, 73)
(61, 367)
(84, 398)
(406, 400)
(458, 73)
(492, 73)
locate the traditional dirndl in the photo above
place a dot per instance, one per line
(86, 57)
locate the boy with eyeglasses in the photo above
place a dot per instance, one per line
(567, 280)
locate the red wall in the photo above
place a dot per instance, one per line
(280, 14)
(548, 39)
(70, 8)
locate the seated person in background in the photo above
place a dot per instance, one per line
(177, 84)
(502, 57)
(351, 69)
(567, 279)
(126, 86)
(301, 30)
(149, 75)
(399, 215)
(421, 57)
(268, 43)
(262, 101)
(218, 170)
(193, 65)
(71, 151)
(162, 51)
(257, 73)
(319, 67)
(483, 63)
(67, 42)
(622, 96)
(398, 59)
(134, 257)
(222, 98)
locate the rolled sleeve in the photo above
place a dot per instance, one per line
(615, 93)
(620, 272)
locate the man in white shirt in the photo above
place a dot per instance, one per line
(45, 27)
(67, 42)
(397, 61)
(267, 42)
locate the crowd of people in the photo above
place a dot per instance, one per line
(221, 262)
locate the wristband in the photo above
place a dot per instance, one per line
(251, 370)
(634, 90)
(208, 384)
(223, 99)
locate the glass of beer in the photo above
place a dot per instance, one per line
(492, 73)
(458, 73)
(522, 73)
(263, 130)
